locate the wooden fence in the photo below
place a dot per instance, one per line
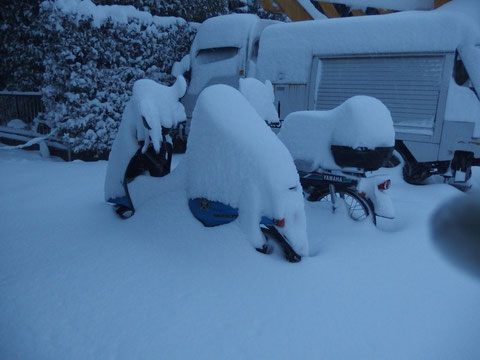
(19, 105)
(26, 106)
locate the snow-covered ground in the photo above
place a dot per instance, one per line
(76, 282)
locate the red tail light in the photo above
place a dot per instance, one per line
(279, 223)
(385, 185)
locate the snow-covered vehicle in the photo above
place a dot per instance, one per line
(143, 141)
(225, 49)
(423, 65)
(237, 168)
(338, 152)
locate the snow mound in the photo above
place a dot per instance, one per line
(363, 121)
(230, 29)
(360, 122)
(151, 104)
(17, 124)
(233, 157)
(160, 107)
(261, 97)
(181, 67)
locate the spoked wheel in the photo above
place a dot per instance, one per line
(358, 209)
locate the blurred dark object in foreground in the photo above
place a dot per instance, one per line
(456, 231)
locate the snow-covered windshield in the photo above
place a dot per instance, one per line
(207, 56)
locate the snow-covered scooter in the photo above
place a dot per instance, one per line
(338, 154)
(143, 140)
(239, 171)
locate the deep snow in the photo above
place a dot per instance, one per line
(76, 282)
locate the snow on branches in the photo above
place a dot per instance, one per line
(92, 65)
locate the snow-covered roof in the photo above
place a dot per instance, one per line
(287, 49)
(226, 30)
(388, 4)
(118, 13)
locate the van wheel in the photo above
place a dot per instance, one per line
(394, 160)
(415, 173)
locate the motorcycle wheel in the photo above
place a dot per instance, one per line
(358, 208)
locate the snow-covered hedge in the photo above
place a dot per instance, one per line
(190, 10)
(97, 52)
(21, 46)
(196, 10)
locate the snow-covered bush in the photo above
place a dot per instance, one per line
(190, 10)
(233, 157)
(22, 46)
(97, 53)
(197, 10)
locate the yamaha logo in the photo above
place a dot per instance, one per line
(333, 178)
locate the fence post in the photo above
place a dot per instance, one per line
(16, 107)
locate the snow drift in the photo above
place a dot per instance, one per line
(152, 107)
(233, 157)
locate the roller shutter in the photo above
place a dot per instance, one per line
(408, 85)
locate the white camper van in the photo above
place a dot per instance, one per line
(225, 49)
(423, 65)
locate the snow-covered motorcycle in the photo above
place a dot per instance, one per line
(143, 141)
(238, 170)
(338, 154)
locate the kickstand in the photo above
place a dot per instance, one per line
(288, 251)
(331, 188)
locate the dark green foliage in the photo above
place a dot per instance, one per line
(21, 46)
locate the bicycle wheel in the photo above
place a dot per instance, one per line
(357, 208)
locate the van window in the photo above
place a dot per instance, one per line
(206, 56)
(460, 73)
(255, 50)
